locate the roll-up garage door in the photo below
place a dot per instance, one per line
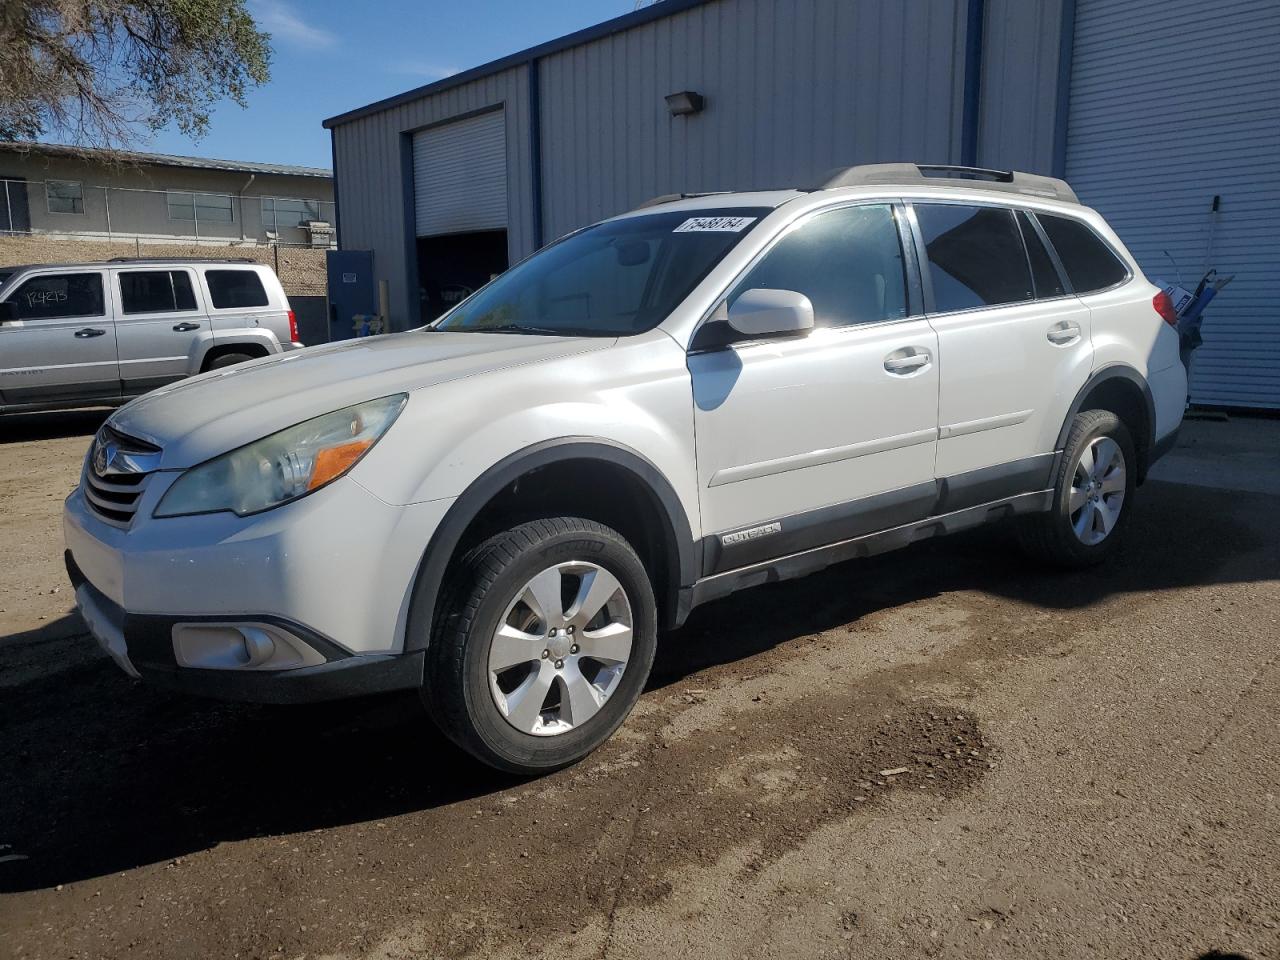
(1173, 103)
(460, 176)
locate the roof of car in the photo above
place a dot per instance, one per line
(131, 262)
(879, 178)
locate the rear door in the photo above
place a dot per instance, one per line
(160, 323)
(1014, 348)
(62, 346)
(809, 440)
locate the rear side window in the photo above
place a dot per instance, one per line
(1089, 262)
(58, 295)
(1043, 272)
(156, 291)
(848, 262)
(976, 258)
(234, 289)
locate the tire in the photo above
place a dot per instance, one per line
(518, 702)
(227, 360)
(1086, 535)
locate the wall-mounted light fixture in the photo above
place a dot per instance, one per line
(684, 103)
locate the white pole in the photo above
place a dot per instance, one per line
(106, 203)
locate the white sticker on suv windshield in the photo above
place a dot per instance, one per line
(715, 225)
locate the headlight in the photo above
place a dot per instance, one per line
(284, 466)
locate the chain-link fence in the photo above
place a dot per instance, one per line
(72, 209)
(43, 222)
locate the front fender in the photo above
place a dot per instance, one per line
(636, 397)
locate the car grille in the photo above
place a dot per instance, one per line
(117, 474)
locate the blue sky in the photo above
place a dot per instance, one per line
(331, 55)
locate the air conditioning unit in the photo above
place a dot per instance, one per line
(320, 232)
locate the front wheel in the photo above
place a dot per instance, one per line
(1092, 496)
(545, 640)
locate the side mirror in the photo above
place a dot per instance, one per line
(8, 311)
(771, 313)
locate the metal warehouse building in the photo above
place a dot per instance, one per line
(1164, 118)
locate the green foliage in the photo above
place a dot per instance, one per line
(98, 72)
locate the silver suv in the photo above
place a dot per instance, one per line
(86, 334)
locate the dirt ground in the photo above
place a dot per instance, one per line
(1091, 767)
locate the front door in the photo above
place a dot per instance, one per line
(160, 323)
(62, 343)
(816, 439)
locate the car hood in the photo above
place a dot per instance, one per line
(193, 420)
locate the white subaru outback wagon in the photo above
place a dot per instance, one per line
(505, 507)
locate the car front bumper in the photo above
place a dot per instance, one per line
(322, 584)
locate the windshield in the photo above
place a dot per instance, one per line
(614, 279)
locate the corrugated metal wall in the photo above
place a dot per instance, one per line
(792, 89)
(371, 164)
(1172, 103)
(1019, 84)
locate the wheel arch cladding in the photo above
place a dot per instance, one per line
(670, 556)
(1124, 391)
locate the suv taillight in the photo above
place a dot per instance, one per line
(1164, 307)
(293, 324)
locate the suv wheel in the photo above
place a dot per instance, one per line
(228, 360)
(1092, 494)
(544, 644)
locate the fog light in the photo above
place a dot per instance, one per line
(240, 646)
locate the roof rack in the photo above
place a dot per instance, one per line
(182, 260)
(1012, 181)
(673, 197)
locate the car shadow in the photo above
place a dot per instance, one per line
(25, 427)
(101, 774)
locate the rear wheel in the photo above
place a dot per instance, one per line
(1092, 496)
(227, 360)
(545, 641)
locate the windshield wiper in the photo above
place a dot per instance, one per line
(525, 328)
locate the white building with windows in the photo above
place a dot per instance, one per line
(65, 193)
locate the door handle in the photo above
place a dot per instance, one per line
(897, 364)
(1064, 333)
(185, 327)
(88, 332)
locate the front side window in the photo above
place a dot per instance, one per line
(975, 254)
(848, 262)
(156, 291)
(614, 279)
(201, 207)
(235, 289)
(57, 295)
(64, 196)
(1089, 262)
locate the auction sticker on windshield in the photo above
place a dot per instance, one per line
(714, 225)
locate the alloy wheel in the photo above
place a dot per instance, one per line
(560, 649)
(1097, 491)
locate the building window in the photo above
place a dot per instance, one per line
(201, 207)
(278, 213)
(64, 196)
